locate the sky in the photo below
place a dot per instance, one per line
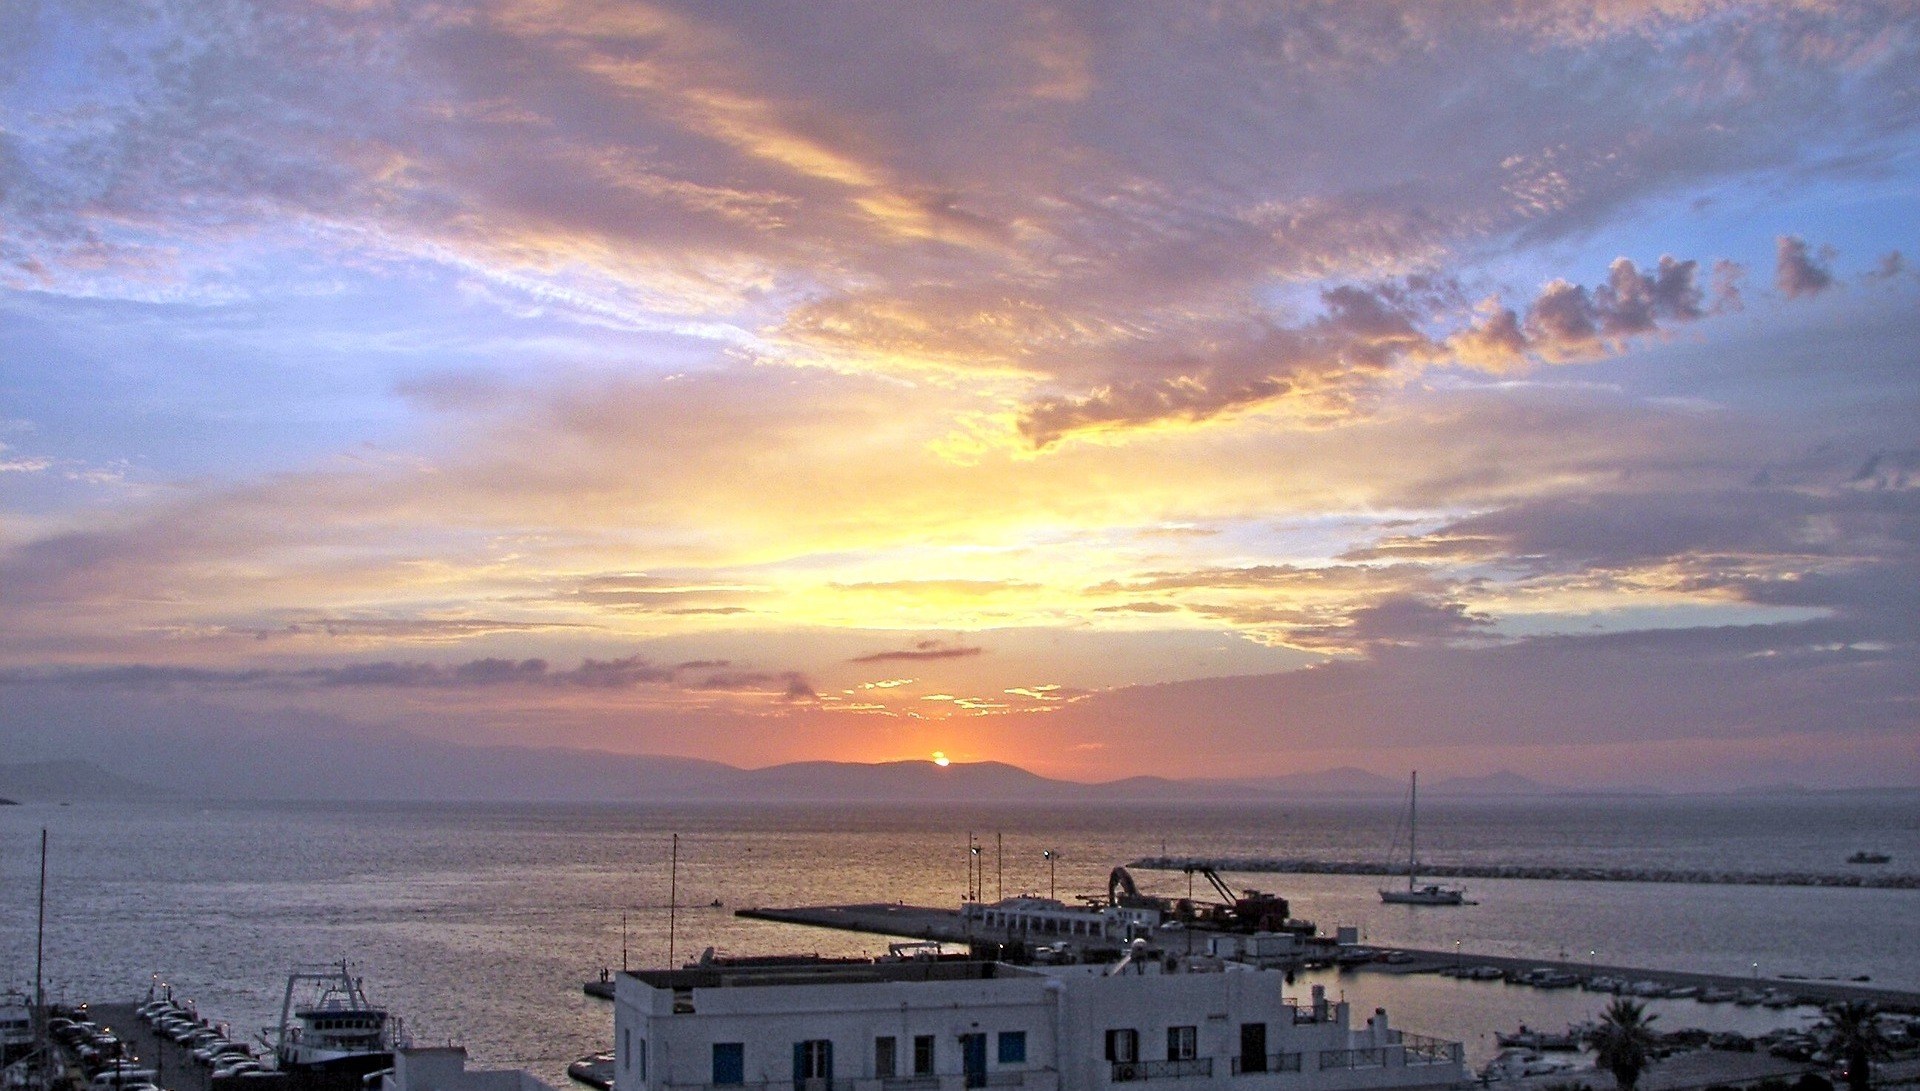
(1201, 390)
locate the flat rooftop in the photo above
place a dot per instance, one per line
(798, 971)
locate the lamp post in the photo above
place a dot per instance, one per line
(974, 863)
(1050, 857)
(1456, 954)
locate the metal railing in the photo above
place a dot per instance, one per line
(1424, 1050)
(1273, 1062)
(1130, 1071)
(911, 1083)
(1353, 1058)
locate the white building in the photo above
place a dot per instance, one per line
(444, 1068)
(1195, 1025)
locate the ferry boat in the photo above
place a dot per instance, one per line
(1865, 856)
(1422, 895)
(331, 1026)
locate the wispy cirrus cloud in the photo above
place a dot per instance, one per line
(922, 651)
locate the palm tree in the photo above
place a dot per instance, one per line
(1623, 1041)
(1855, 1036)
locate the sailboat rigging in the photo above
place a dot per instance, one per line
(1419, 895)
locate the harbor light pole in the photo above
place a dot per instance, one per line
(974, 862)
(1050, 856)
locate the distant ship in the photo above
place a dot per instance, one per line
(1419, 895)
(336, 1029)
(1865, 857)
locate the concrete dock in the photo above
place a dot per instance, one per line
(174, 1062)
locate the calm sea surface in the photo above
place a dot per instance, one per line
(477, 923)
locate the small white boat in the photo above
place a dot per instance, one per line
(1419, 895)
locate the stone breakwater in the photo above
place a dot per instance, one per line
(1880, 880)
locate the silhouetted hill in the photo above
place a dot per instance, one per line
(68, 780)
(1344, 781)
(1502, 783)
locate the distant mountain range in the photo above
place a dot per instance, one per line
(403, 768)
(66, 780)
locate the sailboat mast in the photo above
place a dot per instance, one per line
(1413, 828)
(40, 948)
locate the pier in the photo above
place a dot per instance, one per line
(1804, 990)
(907, 922)
(928, 923)
(1428, 869)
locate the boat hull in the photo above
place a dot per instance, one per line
(346, 1064)
(1428, 896)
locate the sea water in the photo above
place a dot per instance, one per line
(478, 923)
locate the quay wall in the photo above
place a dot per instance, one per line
(1297, 866)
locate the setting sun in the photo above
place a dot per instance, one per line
(940, 758)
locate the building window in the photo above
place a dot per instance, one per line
(626, 1047)
(729, 1064)
(1013, 1047)
(812, 1060)
(923, 1054)
(1183, 1043)
(640, 1060)
(1123, 1046)
(885, 1066)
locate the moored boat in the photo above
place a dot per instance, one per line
(595, 1070)
(335, 1028)
(16, 1026)
(1419, 895)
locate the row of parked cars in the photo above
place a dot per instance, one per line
(95, 1046)
(209, 1044)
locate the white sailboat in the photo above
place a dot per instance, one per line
(1419, 895)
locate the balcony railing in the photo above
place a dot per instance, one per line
(1129, 1071)
(911, 1083)
(1273, 1062)
(1424, 1050)
(1353, 1058)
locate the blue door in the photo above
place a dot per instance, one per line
(729, 1064)
(973, 1059)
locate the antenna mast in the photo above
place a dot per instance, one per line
(673, 897)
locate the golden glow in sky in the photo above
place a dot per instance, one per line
(1139, 388)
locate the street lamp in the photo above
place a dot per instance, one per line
(1456, 954)
(1050, 856)
(974, 863)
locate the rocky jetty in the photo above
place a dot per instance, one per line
(1429, 869)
